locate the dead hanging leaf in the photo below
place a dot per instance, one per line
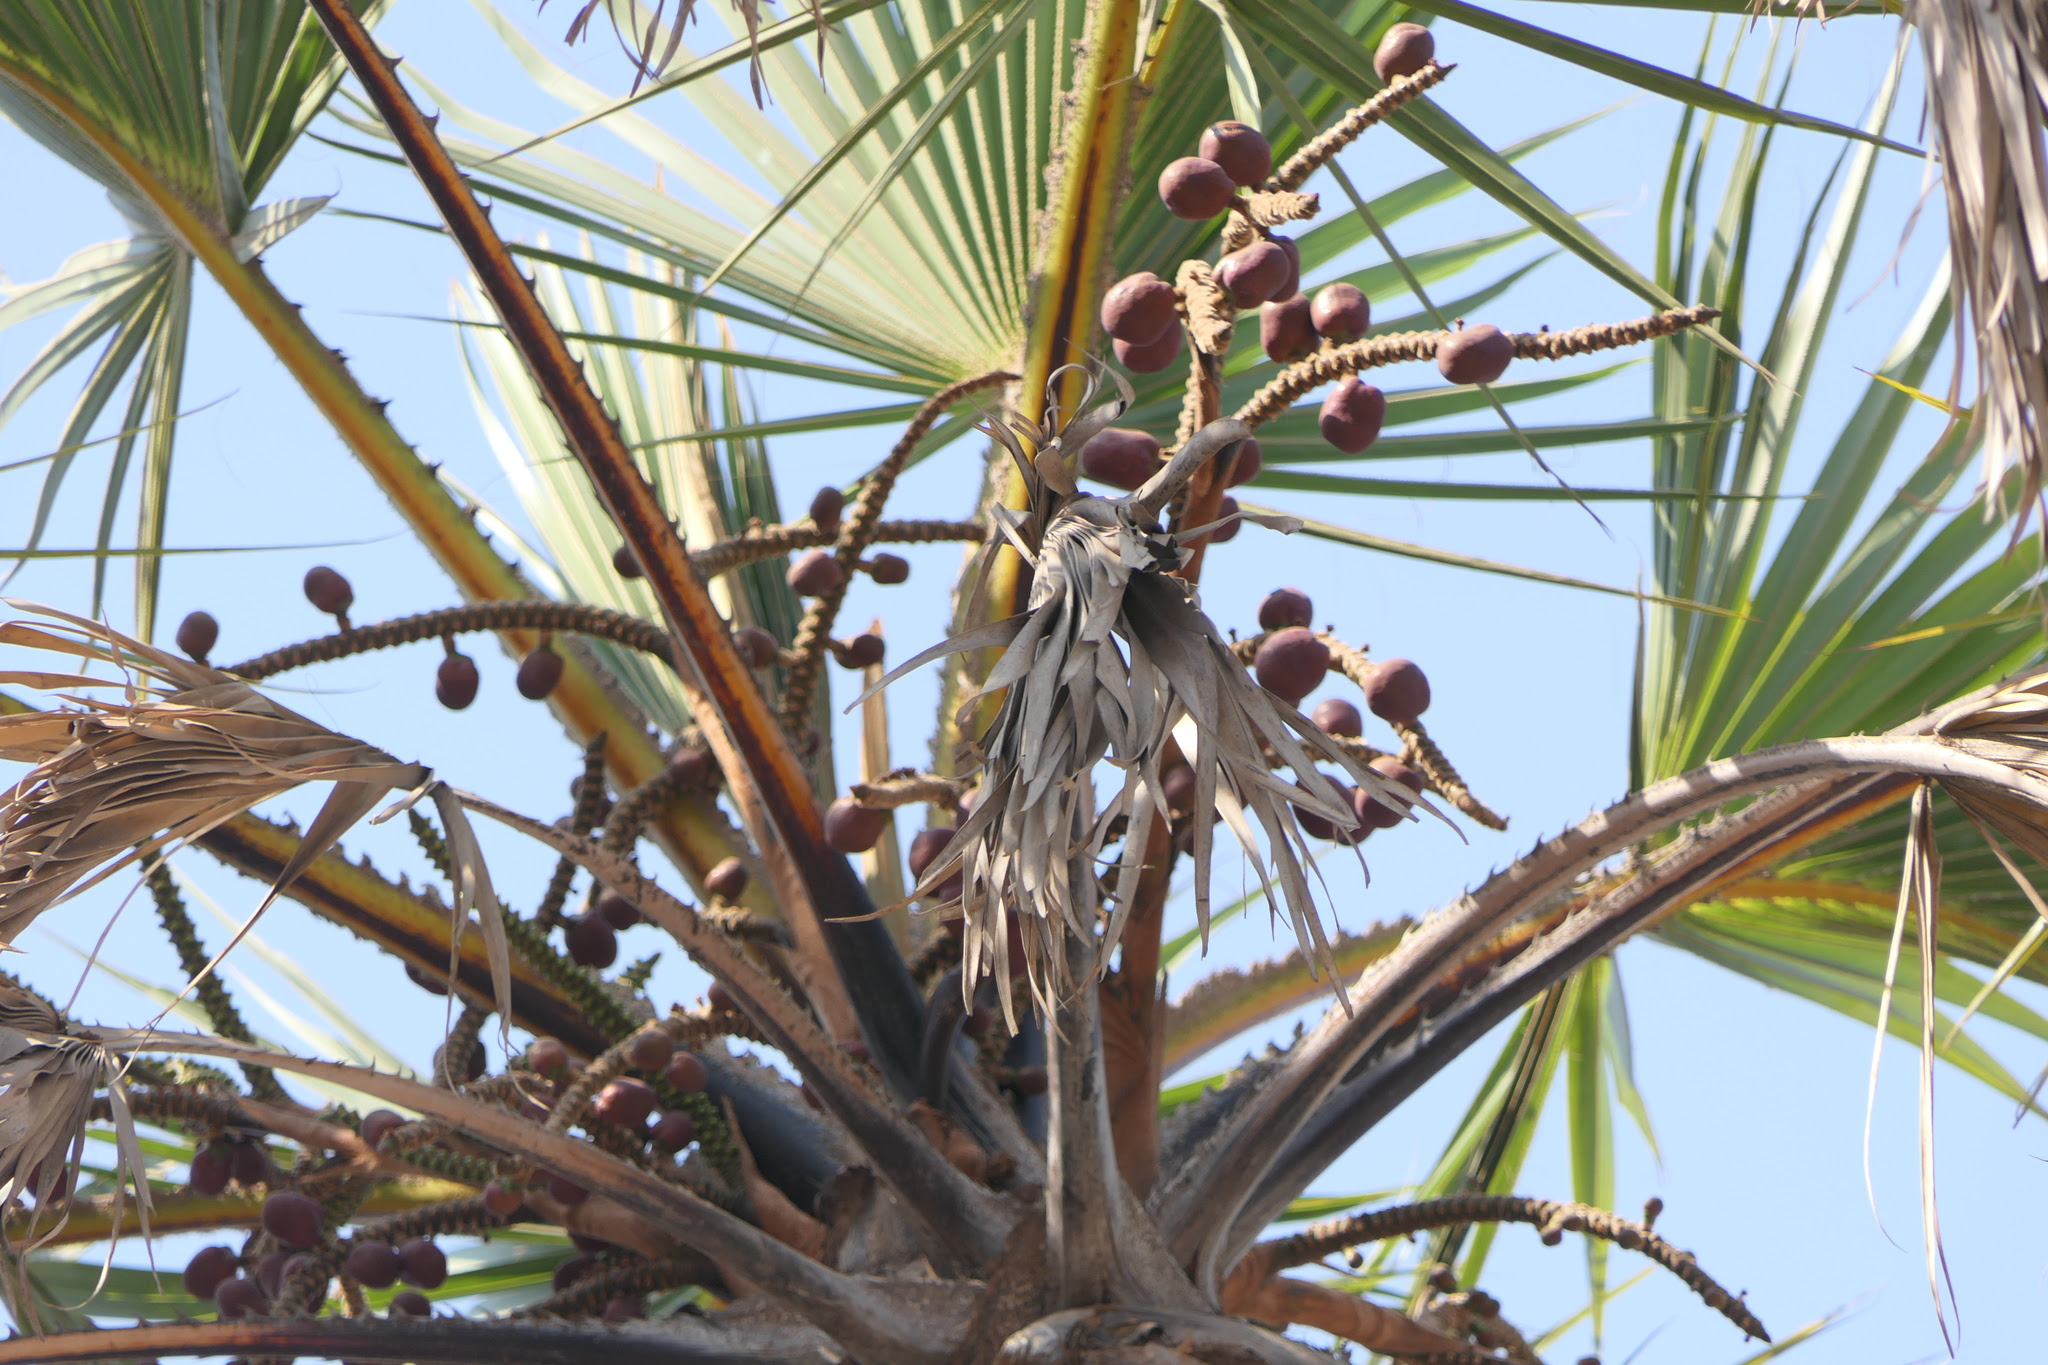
(1111, 658)
(183, 749)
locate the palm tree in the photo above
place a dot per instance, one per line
(982, 1161)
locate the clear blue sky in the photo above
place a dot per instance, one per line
(1757, 1097)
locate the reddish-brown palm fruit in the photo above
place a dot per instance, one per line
(583, 1242)
(1405, 50)
(650, 1050)
(539, 672)
(426, 1265)
(926, 846)
(1179, 782)
(250, 1162)
(1397, 691)
(211, 1170)
(727, 880)
(572, 1270)
(755, 645)
(625, 563)
(1292, 284)
(270, 1272)
(547, 1056)
(620, 913)
(502, 1200)
(240, 1298)
(1284, 607)
(1140, 309)
(591, 942)
(432, 985)
(827, 505)
(1313, 825)
(328, 590)
(887, 570)
(378, 1124)
(1250, 460)
(1152, 357)
(862, 650)
(1121, 457)
(978, 1021)
(197, 634)
(719, 998)
(1393, 769)
(687, 1073)
(690, 764)
(1240, 149)
(617, 1311)
(374, 1264)
(60, 1188)
(625, 1102)
(674, 1131)
(455, 681)
(1476, 355)
(1341, 312)
(1352, 415)
(410, 1303)
(208, 1268)
(851, 827)
(1379, 814)
(1335, 716)
(1291, 663)
(1029, 1080)
(1196, 188)
(1251, 275)
(815, 574)
(292, 1218)
(1229, 529)
(566, 1191)
(1286, 330)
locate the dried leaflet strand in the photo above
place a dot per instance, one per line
(1336, 362)
(1295, 171)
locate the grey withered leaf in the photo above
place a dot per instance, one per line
(1113, 656)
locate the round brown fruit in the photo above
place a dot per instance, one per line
(625, 1102)
(851, 827)
(547, 1056)
(270, 1272)
(1477, 355)
(1352, 415)
(1284, 607)
(815, 574)
(827, 506)
(1030, 1080)
(1240, 149)
(1341, 312)
(1378, 814)
(625, 563)
(566, 1191)
(572, 1270)
(1152, 357)
(1121, 457)
(1286, 330)
(374, 1264)
(863, 650)
(410, 1303)
(240, 1298)
(1253, 274)
(620, 913)
(1316, 827)
(208, 1268)
(1292, 285)
(378, 1124)
(690, 764)
(1397, 691)
(432, 985)
(1180, 789)
(687, 1073)
(1196, 188)
(1229, 529)
(502, 1200)
(727, 880)
(1405, 50)
(887, 570)
(196, 636)
(1250, 460)
(292, 1219)
(674, 1131)
(539, 672)
(250, 1163)
(755, 645)
(1335, 716)
(926, 846)
(591, 942)
(1140, 309)
(1291, 663)
(211, 1169)
(455, 681)
(719, 998)
(328, 590)
(650, 1050)
(426, 1265)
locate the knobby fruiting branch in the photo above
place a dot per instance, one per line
(1294, 172)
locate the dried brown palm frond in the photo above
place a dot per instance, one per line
(1987, 89)
(183, 749)
(1112, 658)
